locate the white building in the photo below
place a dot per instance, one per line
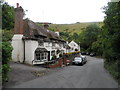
(72, 47)
(33, 44)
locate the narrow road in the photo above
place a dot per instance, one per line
(90, 75)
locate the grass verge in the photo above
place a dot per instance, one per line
(112, 68)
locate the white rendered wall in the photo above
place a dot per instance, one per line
(30, 47)
(73, 45)
(48, 46)
(18, 49)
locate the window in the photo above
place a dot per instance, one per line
(45, 55)
(37, 56)
(40, 42)
(72, 44)
(40, 55)
(52, 53)
(60, 44)
(53, 44)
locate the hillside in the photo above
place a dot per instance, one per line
(70, 31)
(72, 28)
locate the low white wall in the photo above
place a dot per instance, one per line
(18, 49)
(30, 47)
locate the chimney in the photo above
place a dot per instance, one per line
(17, 5)
(57, 33)
(46, 25)
(19, 13)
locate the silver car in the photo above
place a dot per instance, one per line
(79, 60)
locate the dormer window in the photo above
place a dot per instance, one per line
(40, 42)
(53, 44)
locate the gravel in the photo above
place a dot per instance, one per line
(22, 73)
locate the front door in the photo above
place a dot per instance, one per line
(48, 55)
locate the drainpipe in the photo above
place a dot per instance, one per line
(24, 50)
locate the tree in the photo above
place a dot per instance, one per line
(6, 53)
(5, 45)
(111, 41)
(75, 37)
(89, 35)
(7, 16)
(112, 31)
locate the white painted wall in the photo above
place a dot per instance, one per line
(50, 48)
(57, 33)
(73, 46)
(18, 49)
(30, 47)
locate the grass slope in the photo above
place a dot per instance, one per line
(72, 28)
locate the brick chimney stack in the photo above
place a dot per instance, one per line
(19, 13)
(46, 25)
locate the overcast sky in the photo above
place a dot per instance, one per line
(62, 11)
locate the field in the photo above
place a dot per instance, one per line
(72, 28)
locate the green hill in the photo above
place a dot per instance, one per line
(70, 31)
(72, 28)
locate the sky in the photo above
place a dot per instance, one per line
(62, 11)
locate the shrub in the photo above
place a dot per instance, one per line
(70, 53)
(6, 54)
(6, 57)
(53, 57)
(112, 67)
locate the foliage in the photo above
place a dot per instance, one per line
(89, 36)
(53, 57)
(71, 32)
(112, 27)
(5, 70)
(111, 37)
(112, 67)
(64, 35)
(75, 37)
(7, 16)
(6, 53)
(72, 53)
(7, 35)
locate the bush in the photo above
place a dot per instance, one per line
(6, 54)
(5, 70)
(6, 57)
(53, 57)
(70, 53)
(112, 67)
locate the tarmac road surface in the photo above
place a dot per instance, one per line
(90, 75)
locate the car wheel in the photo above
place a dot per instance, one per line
(81, 64)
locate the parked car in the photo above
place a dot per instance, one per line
(92, 54)
(84, 57)
(87, 53)
(79, 60)
(83, 53)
